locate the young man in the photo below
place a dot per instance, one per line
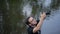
(35, 26)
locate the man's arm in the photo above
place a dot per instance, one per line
(40, 23)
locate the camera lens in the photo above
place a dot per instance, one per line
(47, 13)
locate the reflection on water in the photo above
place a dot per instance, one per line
(15, 12)
(27, 9)
(52, 26)
(46, 3)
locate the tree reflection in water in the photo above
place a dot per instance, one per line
(15, 11)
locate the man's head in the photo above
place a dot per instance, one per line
(31, 21)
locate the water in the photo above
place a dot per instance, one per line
(47, 3)
(52, 26)
(15, 12)
(27, 9)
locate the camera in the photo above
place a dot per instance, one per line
(48, 13)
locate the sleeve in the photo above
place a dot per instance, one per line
(38, 21)
(30, 30)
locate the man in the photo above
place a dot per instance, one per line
(35, 26)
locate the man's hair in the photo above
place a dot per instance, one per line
(26, 21)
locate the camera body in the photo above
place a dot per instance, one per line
(48, 13)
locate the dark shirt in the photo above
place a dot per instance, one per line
(30, 30)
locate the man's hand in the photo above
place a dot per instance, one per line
(43, 15)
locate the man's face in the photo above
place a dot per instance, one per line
(32, 21)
